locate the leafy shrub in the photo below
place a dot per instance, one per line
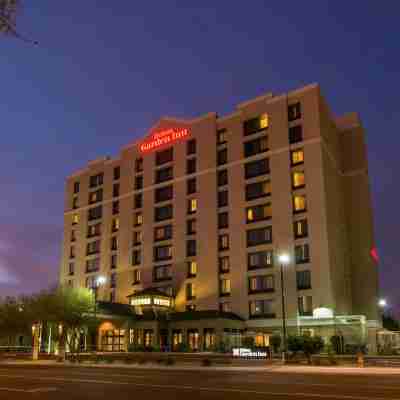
(275, 341)
(109, 360)
(248, 341)
(182, 348)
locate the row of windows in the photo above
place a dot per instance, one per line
(250, 127)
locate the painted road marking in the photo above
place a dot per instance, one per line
(206, 389)
(7, 389)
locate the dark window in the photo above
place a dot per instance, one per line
(139, 165)
(222, 136)
(93, 265)
(139, 182)
(138, 203)
(261, 309)
(115, 224)
(114, 243)
(113, 261)
(259, 236)
(164, 156)
(116, 190)
(72, 252)
(224, 265)
(163, 213)
(256, 168)
(222, 157)
(294, 112)
(258, 213)
(261, 283)
(191, 186)
(137, 238)
(95, 213)
(96, 180)
(190, 291)
(222, 178)
(303, 279)
(94, 230)
(223, 198)
(162, 273)
(71, 268)
(256, 146)
(136, 276)
(295, 134)
(164, 174)
(305, 305)
(96, 196)
(191, 166)
(191, 226)
(136, 257)
(223, 242)
(93, 247)
(300, 229)
(257, 190)
(162, 253)
(260, 259)
(255, 125)
(73, 235)
(75, 202)
(190, 248)
(115, 207)
(223, 220)
(113, 283)
(163, 194)
(302, 253)
(117, 173)
(191, 147)
(76, 187)
(163, 232)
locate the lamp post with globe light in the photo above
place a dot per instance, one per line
(100, 281)
(283, 260)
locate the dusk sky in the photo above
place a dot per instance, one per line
(105, 71)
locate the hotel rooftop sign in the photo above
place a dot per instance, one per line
(162, 138)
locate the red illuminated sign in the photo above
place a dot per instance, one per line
(162, 138)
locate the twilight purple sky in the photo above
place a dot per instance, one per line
(105, 71)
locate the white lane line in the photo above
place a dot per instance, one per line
(7, 389)
(208, 389)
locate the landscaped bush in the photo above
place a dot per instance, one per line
(308, 345)
(182, 348)
(275, 341)
(248, 341)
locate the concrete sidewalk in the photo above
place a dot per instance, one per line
(272, 368)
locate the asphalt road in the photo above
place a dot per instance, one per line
(58, 382)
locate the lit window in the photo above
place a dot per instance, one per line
(138, 219)
(298, 179)
(224, 265)
(223, 242)
(192, 268)
(115, 224)
(225, 287)
(299, 203)
(250, 214)
(136, 276)
(192, 206)
(263, 121)
(75, 218)
(221, 136)
(297, 156)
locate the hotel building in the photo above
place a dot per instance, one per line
(187, 225)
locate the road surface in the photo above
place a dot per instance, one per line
(70, 383)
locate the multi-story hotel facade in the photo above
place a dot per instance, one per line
(188, 223)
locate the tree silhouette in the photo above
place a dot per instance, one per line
(9, 10)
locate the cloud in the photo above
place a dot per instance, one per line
(29, 257)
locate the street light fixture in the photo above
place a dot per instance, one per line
(284, 259)
(382, 303)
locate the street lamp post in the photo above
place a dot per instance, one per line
(100, 281)
(283, 260)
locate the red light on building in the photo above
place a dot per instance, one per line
(163, 138)
(374, 255)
